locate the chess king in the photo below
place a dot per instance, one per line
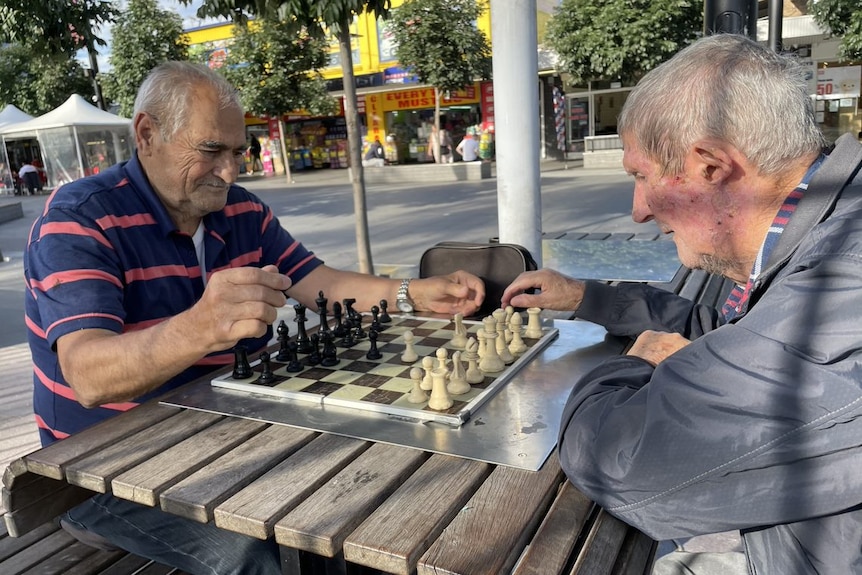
(145, 276)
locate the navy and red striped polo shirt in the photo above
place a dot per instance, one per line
(105, 254)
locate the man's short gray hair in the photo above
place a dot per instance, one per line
(165, 92)
(729, 88)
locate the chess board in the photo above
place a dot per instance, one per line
(382, 385)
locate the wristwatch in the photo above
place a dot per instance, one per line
(402, 300)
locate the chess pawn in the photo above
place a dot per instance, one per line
(510, 311)
(480, 338)
(442, 359)
(458, 378)
(417, 395)
(428, 366)
(471, 355)
(500, 342)
(534, 324)
(459, 336)
(241, 366)
(440, 400)
(409, 354)
(517, 346)
(491, 362)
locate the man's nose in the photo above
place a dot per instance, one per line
(641, 212)
(227, 167)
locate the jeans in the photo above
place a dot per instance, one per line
(196, 548)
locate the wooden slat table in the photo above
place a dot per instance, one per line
(382, 506)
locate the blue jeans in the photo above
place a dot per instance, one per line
(196, 548)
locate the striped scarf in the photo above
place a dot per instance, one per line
(738, 299)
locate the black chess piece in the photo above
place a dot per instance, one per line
(348, 340)
(329, 355)
(241, 366)
(321, 302)
(314, 356)
(294, 365)
(349, 312)
(266, 375)
(302, 341)
(338, 329)
(283, 339)
(375, 319)
(373, 352)
(384, 313)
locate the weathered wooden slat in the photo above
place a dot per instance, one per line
(555, 541)
(61, 562)
(603, 544)
(693, 284)
(29, 512)
(394, 537)
(636, 555)
(322, 522)
(51, 461)
(9, 546)
(497, 521)
(255, 510)
(596, 236)
(126, 564)
(143, 483)
(197, 495)
(98, 562)
(96, 470)
(620, 236)
(34, 553)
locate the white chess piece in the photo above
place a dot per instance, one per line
(491, 362)
(442, 358)
(417, 395)
(510, 311)
(409, 354)
(534, 324)
(517, 346)
(459, 336)
(428, 366)
(458, 378)
(501, 345)
(440, 399)
(480, 336)
(471, 356)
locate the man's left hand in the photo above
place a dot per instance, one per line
(458, 292)
(656, 346)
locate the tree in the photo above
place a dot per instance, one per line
(275, 65)
(315, 15)
(438, 41)
(58, 26)
(38, 83)
(144, 36)
(843, 18)
(620, 39)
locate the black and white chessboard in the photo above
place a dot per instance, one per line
(382, 385)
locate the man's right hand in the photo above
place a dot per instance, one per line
(558, 292)
(239, 303)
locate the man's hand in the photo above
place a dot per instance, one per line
(458, 292)
(656, 346)
(239, 303)
(558, 292)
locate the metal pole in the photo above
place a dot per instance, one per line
(516, 118)
(776, 15)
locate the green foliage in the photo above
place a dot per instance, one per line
(275, 65)
(620, 39)
(51, 26)
(39, 83)
(311, 13)
(143, 37)
(439, 42)
(843, 18)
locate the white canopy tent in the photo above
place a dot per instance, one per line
(76, 139)
(13, 115)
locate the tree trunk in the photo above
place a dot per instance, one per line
(354, 146)
(436, 151)
(283, 145)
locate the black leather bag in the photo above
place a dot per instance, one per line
(497, 264)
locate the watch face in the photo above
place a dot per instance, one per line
(404, 306)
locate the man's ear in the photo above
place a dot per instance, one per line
(712, 161)
(145, 131)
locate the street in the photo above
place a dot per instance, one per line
(403, 220)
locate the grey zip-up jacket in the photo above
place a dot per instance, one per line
(757, 424)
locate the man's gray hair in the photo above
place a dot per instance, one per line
(165, 94)
(729, 88)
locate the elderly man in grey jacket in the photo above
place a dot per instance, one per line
(747, 418)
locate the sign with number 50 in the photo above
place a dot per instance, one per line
(839, 82)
